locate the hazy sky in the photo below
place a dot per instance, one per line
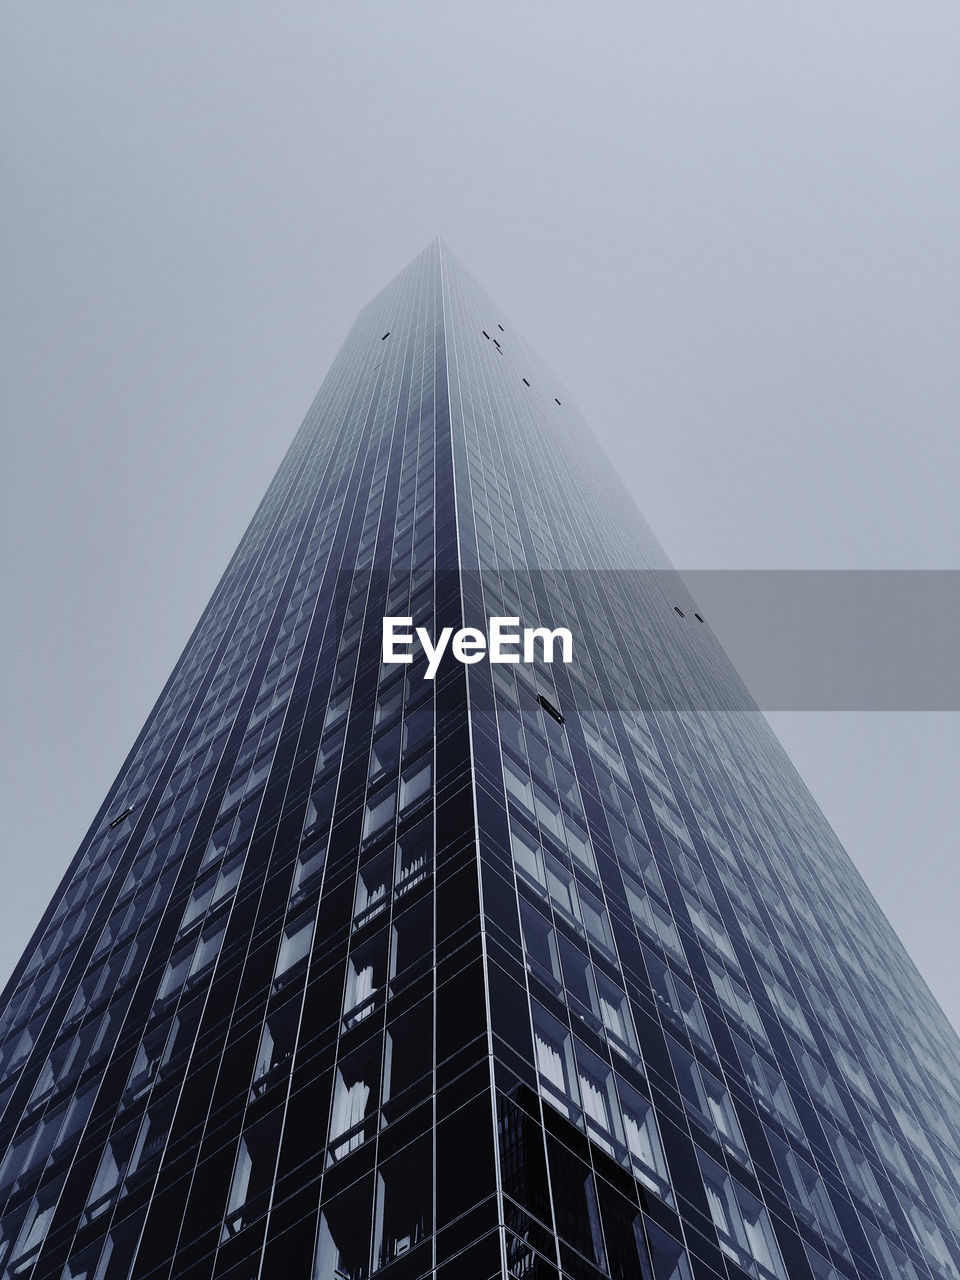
(731, 229)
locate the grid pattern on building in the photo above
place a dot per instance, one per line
(357, 972)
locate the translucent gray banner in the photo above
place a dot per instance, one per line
(839, 640)
(796, 640)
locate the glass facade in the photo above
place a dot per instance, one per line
(527, 970)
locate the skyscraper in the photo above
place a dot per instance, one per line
(524, 968)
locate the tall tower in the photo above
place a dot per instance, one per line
(530, 969)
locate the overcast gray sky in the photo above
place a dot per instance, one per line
(731, 229)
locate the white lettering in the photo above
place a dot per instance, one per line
(499, 637)
(434, 653)
(469, 645)
(546, 637)
(391, 639)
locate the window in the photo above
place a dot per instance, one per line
(668, 1256)
(819, 1082)
(208, 948)
(366, 975)
(343, 1236)
(81, 1003)
(16, 1157)
(176, 971)
(807, 1191)
(892, 1154)
(931, 1241)
(678, 1002)
(320, 808)
(415, 784)
(547, 705)
(821, 1268)
(913, 1131)
(252, 1175)
(277, 1041)
(379, 812)
(354, 1102)
(412, 944)
(527, 856)
(856, 1171)
(548, 814)
(200, 899)
(787, 1005)
(229, 877)
(120, 817)
(518, 785)
(893, 1262)
(294, 947)
(596, 921)
(653, 920)
(408, 1058)
(643, 1140)
(404, 1212)
(615, 1013)
(414, 856)
(578, 842)
(417, 728)
(601, 1109)
(331, 747)
(83, 1266)
(374, 882)
(389, 703)
(710, 929)
(562, 888)
(309, 868)
(708, 1100)
(554, 1059)
(34, 1229)
(338, 707)
(63, 1058)
(540, 944)
(261, 768)
(112, 1168)
(743, 1227)
(78, 1112)
(385, 753)
(182, 1030)
(855, 1075)
(769, 1090)
(219, 842)
(151, 1138)
(242, 1172)
(736, 1000)
(147, 1061)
